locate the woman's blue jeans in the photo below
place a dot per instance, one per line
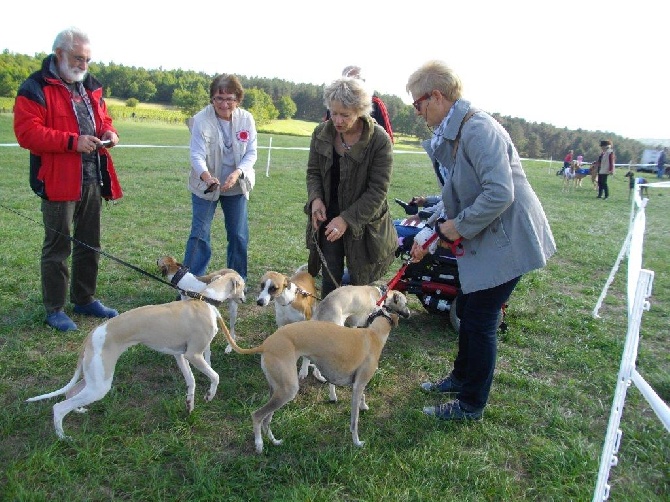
(235, 217)
(479, 313)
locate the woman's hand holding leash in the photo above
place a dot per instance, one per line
(427, 240)
(318, 213)
(336, 228)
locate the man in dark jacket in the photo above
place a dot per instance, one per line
(60, 116)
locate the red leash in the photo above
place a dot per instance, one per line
(391, 284)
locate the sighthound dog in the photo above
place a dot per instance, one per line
(294, 297)
(346, 356)
(179, 275)
(183, 329)
(568, 177)
(640, 181)
(351, 306)
(582, 172)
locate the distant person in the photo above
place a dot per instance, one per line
(605, 166)
(348, 177)
(567, 161)
(379, 112)
(492, 209)
(60, 116)
(660, 164)
(223, 154)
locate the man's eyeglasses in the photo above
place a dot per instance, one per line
(80, 59)
(221, 100)
(417, 104)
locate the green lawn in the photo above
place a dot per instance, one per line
(543, 430)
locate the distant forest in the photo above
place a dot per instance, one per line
(273, 98)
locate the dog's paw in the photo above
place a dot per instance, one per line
(317, 374)
(190, 404)
(229, 349)
(80, 410)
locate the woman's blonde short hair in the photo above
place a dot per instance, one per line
(351, 93)
(435, 75)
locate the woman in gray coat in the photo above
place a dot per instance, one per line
(488, 205)
(348, 176)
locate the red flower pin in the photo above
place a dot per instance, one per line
(243, 136)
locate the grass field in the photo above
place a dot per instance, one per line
(543, 430)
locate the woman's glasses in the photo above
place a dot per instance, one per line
(417, 104)
(221, 100)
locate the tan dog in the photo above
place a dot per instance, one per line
(183, 329)
(174, 271)
(351, 306)
(346, 356)
(294, 297)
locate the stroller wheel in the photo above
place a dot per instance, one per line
(434, 304)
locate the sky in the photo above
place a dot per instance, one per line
(588, 64)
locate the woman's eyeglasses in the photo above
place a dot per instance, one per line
(220, 100)
(417, 104)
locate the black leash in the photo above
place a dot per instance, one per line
(324, 263)
(190, 294)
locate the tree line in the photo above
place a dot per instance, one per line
(273, 98)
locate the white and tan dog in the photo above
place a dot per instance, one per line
(351, 306)
(183, 329)
(294, 297)
(180, 277)
(346, 356)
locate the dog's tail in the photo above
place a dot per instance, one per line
(231, 340)
(59, 392)
(302, 268)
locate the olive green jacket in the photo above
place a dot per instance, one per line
(365, 175)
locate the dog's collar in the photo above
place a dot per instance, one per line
(179, 275)
(198, 296)
(380, 312)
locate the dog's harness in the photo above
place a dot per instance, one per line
(179, 275)
(380, 312)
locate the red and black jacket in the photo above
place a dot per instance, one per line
(46, 124)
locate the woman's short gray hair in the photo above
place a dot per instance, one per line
(435, 76)
(351, 93)
(66, 39)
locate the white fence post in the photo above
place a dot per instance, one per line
(267, 168)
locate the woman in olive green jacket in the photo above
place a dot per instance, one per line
(348, 176)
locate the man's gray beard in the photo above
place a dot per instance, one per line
(69, 74)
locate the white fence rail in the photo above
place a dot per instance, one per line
(639, 290)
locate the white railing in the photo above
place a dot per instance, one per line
(639, 290)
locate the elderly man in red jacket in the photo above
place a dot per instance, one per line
(60, 116)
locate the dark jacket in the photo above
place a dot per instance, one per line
(46, 124)
(365, 175)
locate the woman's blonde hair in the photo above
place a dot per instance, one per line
(435, 75)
